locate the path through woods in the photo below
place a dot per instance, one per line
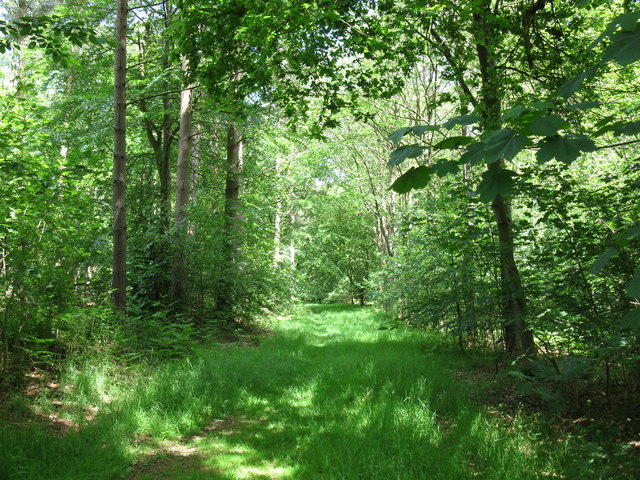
(329, 395)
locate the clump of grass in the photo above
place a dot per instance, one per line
(329, 396)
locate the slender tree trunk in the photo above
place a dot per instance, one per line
(160, 135)
(233, 189)
(183, 177)
(164, 160)
(518, 338)
(292, 254)
(277, 222)
(234, 220)
(119, 284)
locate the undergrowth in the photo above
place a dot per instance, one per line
(329, 396)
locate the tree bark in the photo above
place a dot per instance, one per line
(160, 135)
(233, 222)
(277, 221)
(183, 184)
(119, 281)
(518, 338)
(292, 253)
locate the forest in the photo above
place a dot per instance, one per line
(320, 239)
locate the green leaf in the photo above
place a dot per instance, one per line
(400, 154)
(396, 136)
(627, 128)
(548, 125)
(518, 374)
(543, 105)
(606, 125)
(453, 142)
(633, 289)
(474, 154)
(461, 120)
(605, 121)
(624, 48)
(503, 143)
(420, 130)
(622, 239)
(445, 167)
(524, 389)
(565, 149)
(495, 182)
(602, 260)
(514, 113)
(631, 320)
(627, 21)
(413, 179)
(573, 85)
(583, 105)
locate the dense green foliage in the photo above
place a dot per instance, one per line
(470, 167)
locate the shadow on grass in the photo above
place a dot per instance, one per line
(300, 407)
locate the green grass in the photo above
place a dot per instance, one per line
(328, 396)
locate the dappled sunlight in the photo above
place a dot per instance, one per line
(329, 397)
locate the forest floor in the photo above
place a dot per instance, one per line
(329, 395)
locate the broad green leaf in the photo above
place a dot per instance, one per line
(573, 85)
(445, 167)
(514, 113)
(396, 136)
(624, 48)
(583, 105)
(606, 120)
(495, 182)
(606, 126)
(412, 179)
(564, 148)
(633, 289)
(602, 260)
(548, 125)
(461, 120)
(400, 154)
(622, 239)
(543, 105)
(453, 142)
(627, 21)
(420, 130)
(503, 144)
(474, 154)
(627, 128)
(631, 320)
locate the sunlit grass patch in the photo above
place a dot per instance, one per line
(328, 396)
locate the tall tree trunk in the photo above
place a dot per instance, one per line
(292, 253)
(277, 222)
(518, 338)
(160, 135)
(183, 177)
(163, 156)
(233, 221)
(119, 283)
(18, 55)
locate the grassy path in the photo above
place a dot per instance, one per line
(328, 396)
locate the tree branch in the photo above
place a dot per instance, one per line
(142, 99)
